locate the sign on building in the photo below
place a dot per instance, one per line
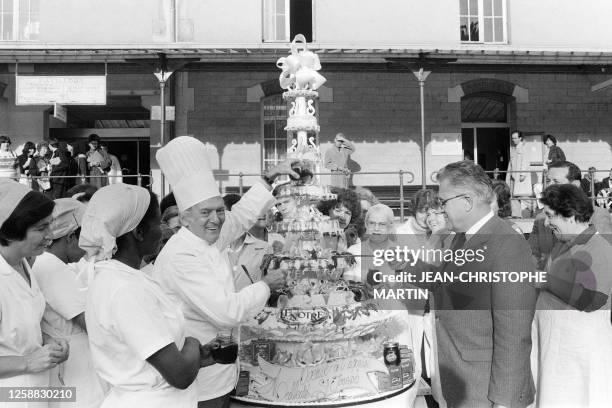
(156, 113)
(65, 90)
(60, 112)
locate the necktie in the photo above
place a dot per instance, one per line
(458, 240)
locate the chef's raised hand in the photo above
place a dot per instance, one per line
(281, 169)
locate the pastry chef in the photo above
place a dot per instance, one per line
(193, 267)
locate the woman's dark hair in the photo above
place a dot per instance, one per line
(26, 148)
(167, 201)
(86, 188)
(351, 201)
(32, 208)
(93, 137)
(502, 192)
(151, 212)
(5, 139)
(552, 139)
(54, 142)
(568, 200)
(425, 199)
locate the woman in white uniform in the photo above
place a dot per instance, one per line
(572, 317)
(25, 357)
(136, 333)
(64, 315)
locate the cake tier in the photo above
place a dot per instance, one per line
(318, 323)
(307, 123)
(294, 93)
(324, 355)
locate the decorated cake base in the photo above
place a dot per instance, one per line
(324, 355)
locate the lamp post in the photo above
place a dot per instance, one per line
(421, 76)
(421, 66)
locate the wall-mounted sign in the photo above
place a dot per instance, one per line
(156, 113)
(65, 90)
(60, 112)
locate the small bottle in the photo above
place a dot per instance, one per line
(391, 353)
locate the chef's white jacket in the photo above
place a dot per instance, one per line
(199, 276)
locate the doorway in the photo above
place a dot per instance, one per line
(487, 146)
(485, 131)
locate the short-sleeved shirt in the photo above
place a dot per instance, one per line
(64, 295)
(129, 319)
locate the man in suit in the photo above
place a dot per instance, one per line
(483, 328)
(542, 240)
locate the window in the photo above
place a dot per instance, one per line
(274, 135)
(476, 14)
(19, 20)
(284, 19)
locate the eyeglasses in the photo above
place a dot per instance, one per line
(377, 224)
(442, 203)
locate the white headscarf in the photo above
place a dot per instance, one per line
(11, 193)
(67, 217)
(112, 211)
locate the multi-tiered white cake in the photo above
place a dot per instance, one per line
(323, 344)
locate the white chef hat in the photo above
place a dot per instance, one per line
(113, 211)
(67, 217)
(184, 162)
(11, 193)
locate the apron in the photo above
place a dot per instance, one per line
(28, 305)
(574, 358)
(78, 371)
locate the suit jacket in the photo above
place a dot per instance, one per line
(484, 329)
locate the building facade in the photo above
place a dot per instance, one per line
(495, 65)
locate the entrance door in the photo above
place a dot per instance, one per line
(485, 131)
(487, 146)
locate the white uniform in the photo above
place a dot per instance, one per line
(65, 300)
(129, 319)
(200, 276)
(21, 310)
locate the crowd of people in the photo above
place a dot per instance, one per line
(53, 167)
(124, 297)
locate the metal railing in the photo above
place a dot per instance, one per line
(85, 179)
(404, 178)
(542, 179)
